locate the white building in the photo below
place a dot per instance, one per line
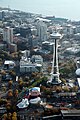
(27, 66)
(8, 35)
(25, 53)
(48, 45)
(69, 29)
(66, 44)
(9, 64)
(73, 50)
(37, 59)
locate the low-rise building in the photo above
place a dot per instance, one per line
(37, 59)
(70, 114)
(48, 45)
(8, 64)
(26, 66)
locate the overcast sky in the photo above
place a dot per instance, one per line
(61, 8)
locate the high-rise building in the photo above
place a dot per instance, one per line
(12, 47)
(8, 35)
(0, 15)
(42, 31)
(25, 32)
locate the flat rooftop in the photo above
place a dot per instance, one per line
(70, 112)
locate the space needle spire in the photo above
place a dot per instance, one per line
(54, 79)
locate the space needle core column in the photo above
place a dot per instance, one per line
(55, 70)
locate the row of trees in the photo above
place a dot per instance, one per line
(67, 69)
(10, 116)
(13, 56)
(58, 89)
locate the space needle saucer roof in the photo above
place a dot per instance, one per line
(56, 35)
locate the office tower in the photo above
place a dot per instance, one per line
(42, 31)
(25, 32)
(8, 35)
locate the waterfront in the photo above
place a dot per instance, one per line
(52, 7)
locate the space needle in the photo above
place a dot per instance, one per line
(54, 79)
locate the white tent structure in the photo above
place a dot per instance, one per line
(23, 104)
(35, 100)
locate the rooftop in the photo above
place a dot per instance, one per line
(70, 112)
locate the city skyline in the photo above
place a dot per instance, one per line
(60, 8)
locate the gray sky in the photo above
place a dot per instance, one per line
(61, 8)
